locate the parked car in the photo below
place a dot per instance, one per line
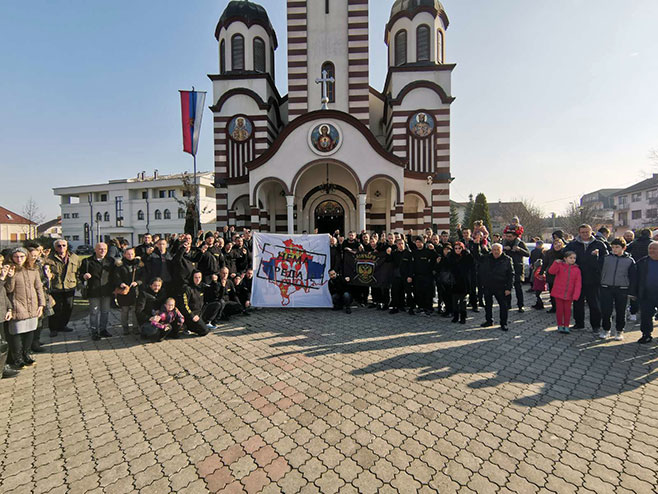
(84, 250)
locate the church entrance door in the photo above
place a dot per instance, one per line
(329, 217)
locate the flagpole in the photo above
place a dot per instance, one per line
(197, 215)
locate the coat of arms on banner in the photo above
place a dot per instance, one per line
(365, 268)
(292, 268)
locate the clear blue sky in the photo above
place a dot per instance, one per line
(554, 99)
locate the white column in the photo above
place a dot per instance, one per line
(362, 212)
(290, 202)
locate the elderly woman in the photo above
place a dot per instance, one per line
(25, 290)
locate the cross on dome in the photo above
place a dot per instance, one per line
(324, 80)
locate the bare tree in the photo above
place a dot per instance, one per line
(32, 212)
(530, 216)
(576, 215)
(653, 158)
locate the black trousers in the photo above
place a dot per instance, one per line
(230, 308)
(550, 289)
(423, 291)
(648, 306)
(4, 346)
(341, 300)
(20, 346)
(399, 289)
(473, 290)
(63, 309)
(502, 300)
(618, 297)
(518, 287)
(198, 327)
(591, 293)
(458, 303)
(211, 311)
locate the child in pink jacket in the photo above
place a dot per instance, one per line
(566, 288)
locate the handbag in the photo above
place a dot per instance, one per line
(125, 291)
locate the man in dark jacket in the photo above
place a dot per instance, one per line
(96, 272)
(497, 277)
(423, 260)
(340, 294)
(183, 264)
(193, 304)
(644, 287)
(515, 248)
(149, 301)
(590, 255)
(145, 249)
(639, 247)
(402, 281)
(158, 264)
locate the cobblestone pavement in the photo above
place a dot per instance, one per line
(320, 401)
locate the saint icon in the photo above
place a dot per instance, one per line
(421, 125)
(240, 129)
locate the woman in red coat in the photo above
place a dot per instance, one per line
(566, 288)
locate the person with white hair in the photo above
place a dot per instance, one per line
(645, 289)
(497, 272)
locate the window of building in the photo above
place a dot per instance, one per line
(652, 213)
(622, 200)
(66, 216)
(331, 86)
(75, 215)
(259, 55)
(140, 215)
(99, 217)
(181, 214)
(103, 198)
(222, 57)
(651, 194)
(145, 194)
(106, 217)
(76, 238)
(237, 52)
(636, 197)
(171, 193)
(158, 214)
(439, 46)
(22, 236)
(636, 215)
(167, 214)
(623, 218)
(118, 207)
(400, 48)
(162, 194)
(423, 43)
(13, 237)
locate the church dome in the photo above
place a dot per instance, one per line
(248, 12)
(409, 7)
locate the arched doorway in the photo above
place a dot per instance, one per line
(329, 217)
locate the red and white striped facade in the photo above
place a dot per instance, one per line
(399, 182)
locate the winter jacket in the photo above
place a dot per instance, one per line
(25, 292)
(639, 287)
(5, 303)
(618, 271)
(639, 248)
(126, 272)
(590, 264)
(100, 283)
(338, 285)
(167, 318)
(158, 265)
(497, 274)
(208, 265)
(538, 280)
(461, 267)
(401, 263)
(242, 259)
(193, 300)
(550, 256)
(423, 261)
(568, 281)
(335, 254)
(65, 272)
(147, 304)
(516, 255)
(183, 264)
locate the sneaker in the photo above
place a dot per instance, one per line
(566, 330)
(632, 317)
(486, 324)
(210, 327)
(577, 326)
(619, 336)
(521, 309)
(8, 372)
(503, 327)
(645, 339)
(66, 329)
(394, 311)
(604, 335)
(105, 334)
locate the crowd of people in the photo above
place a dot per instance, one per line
(166, 287)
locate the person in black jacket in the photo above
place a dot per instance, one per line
(515, 248)
(149, 300)
(340, 294)
(637, 248)
(158, 264)
(192, 305)
(5, 315)
(401, 284)
(226, 293)
(644, 287)
(423, 260)
(555, 253)
(590, 255)
(243, 286)
(335, 255)
(146, 248)
(183, 264)
(498, 278)
(242, 256)
(127, 277)
(96, 272)
(444, 281)
(461, 267)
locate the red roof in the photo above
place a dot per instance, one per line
(10, 218)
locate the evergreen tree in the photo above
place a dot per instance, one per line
(480, 211)
(454, 220)
(468, 213)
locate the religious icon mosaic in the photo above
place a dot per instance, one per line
(325, 138)
(240, 129)
(421, 124)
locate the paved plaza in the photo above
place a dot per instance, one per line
(320, 401)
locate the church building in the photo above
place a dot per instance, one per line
(334, 153)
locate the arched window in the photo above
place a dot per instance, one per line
(140, 215)
(423, 43)
(106, 217)
(181, 214)
(331, 86)
(237, 52)
(158, 214)
(400, 48)
(259, 55)
(222, 57)
(167, 214)
(272, 62)
(99, 217)
(439, 46)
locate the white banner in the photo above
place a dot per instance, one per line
(291, 271)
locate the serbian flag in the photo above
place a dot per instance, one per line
(192, 112)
